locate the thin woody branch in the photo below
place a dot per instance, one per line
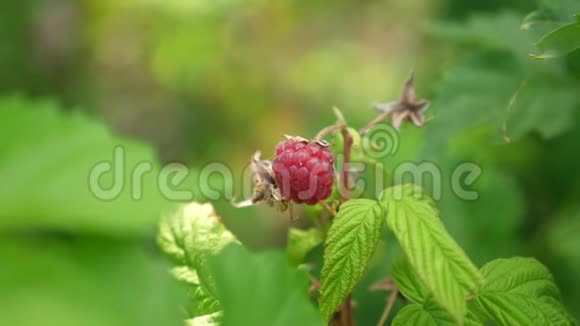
(328, 130)
(389, 307)
(347, 138)
(382, 117)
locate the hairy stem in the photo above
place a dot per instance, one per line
(374, 122)
(389, 307)
(328, 130)
(345, 317)
(508, 111)
(345, 191)
(328, 208)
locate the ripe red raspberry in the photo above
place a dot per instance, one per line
(303, 170)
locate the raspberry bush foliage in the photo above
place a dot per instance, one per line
(120, 120)
(230, 285)
(431, 279)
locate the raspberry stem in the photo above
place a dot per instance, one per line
(345, 192)
(328, 130)
(343, 127)
(414, 110)
(331, 210)
(345, 309)
(374, 122)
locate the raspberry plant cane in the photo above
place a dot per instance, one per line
(399, 111)
(440, 283)
(302, 172)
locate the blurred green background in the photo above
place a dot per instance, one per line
(200, 81)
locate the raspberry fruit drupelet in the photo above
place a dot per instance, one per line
(304, 170)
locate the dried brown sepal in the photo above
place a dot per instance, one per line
(265, 188)
(321, 143)
(407, 107)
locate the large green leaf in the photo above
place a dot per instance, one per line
(498, 31)
(46, 157)
(191, 235)
(206, 320)
(430, 314)
(408, 283)
(559, 42)
(521, 291)
(435, 257)
(261, 289)
(416, 314)
(85, 281)
(552, 13)
(480, 93)
(425, 310)
(351, 240)
(497, 85)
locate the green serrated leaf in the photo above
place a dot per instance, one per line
(436, 258)
(559, 42)
(408, 283)
(413, 314)
(205, 320)
(300, 242)
(494, 86)
(430, 314)
(185, 274)
(351, 240)
(46, 159)
(490, 91)
(499, 31)
(521, 291)
(190, 236)
(91, 281)
(261, 289)
(200, 302)
(193, 231)
(525, 276)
